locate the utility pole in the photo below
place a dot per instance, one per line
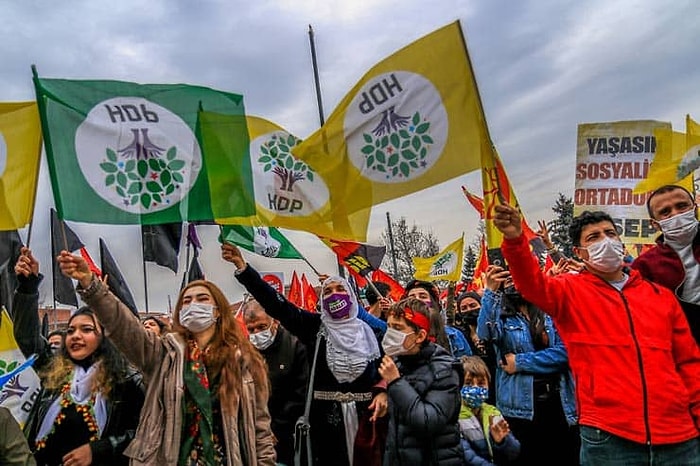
(391, 244)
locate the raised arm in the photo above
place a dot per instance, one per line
(25, 308)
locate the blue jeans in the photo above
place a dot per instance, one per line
(600, 448)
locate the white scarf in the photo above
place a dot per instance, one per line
(80, 394)
(350, 342)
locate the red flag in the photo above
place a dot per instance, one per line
(295, 292)
(475, 201)
(310, 296)
(481, 265)
(396, 291)
(548, 263)
(91, 263)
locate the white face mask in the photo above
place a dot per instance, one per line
(681, 228)
(262, 340)
(197, 317)
(393, 342)
(606, 255)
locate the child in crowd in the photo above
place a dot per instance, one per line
(486, 437)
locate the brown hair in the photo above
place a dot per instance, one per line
(475, 366)
(230, 350)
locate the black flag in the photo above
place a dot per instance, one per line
(115, 279)
(62, 238)
(161, 244)
(10, 246)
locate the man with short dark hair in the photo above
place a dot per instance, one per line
(635, 363)
(673, 261)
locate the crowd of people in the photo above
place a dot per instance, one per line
(590, 362)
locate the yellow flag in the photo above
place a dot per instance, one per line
(677, 156)
(20, 149)
(445, 266)
(288, 192)
(412, 121)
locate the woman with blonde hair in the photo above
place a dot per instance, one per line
(206, 402)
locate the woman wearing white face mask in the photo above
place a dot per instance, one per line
(423, 383)
(207, 387)
(348, 405)
(674, 261)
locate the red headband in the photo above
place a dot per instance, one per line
(421, 320)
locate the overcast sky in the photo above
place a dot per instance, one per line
(542, 68)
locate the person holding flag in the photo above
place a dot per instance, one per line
(87, 410)
(631, 351)
(349, 402)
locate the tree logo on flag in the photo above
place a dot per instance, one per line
(396, 127)
(444, 264)
(282, 183)
(151, 156)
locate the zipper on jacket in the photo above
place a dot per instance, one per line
(640, 361)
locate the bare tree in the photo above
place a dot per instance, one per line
(409, 242)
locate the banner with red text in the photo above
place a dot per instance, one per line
(611, 158)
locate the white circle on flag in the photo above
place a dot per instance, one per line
(396, 127)
(137, 155)
(281, 182)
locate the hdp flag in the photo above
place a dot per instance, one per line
(283, 191)
(127, 153)
(677, 157)
(20, 149)
(360, 259)
(447, 265)
(161, 244)
(62, 237)
(115, 280)
(265, 241)
(412, 121)
(19, 384)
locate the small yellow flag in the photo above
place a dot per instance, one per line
(20, 150)
(445, 266)
(677, 157)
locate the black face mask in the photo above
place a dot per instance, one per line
(470, 317)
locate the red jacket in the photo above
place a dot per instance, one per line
(634, 360)
(662, 264)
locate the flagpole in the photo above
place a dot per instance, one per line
(316, 79)
(53, 272)
(321, 118)
(391, 243)
(143, 264)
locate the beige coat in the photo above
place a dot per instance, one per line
(161, 360)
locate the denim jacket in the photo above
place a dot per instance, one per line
(512, 335)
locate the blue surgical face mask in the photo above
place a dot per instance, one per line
(474, 396)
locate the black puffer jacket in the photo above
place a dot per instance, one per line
(124, 402)
(424, 406)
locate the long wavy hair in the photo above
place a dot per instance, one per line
(230, 351)
(113, 366)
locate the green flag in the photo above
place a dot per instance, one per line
(266, 241)
(127, 153)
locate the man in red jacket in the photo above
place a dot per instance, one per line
(635, 363)
(674, 262)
